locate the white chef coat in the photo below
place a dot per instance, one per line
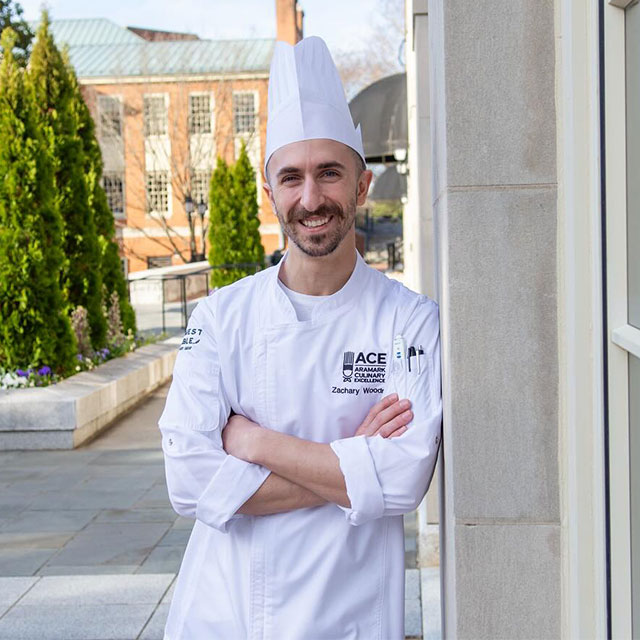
(319, 573)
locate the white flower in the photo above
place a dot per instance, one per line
(7, 381)
(11, 380)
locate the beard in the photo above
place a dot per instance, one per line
(319, 244)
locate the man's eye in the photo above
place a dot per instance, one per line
(288, 178)
(330, 173)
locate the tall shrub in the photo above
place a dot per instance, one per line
(245, 198)
(234, 236)
(224, 227)
(56, 96)
(34, 328)
(113, 279)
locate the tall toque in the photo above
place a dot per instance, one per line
(306, 98)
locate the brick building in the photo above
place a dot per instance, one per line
(166, 105)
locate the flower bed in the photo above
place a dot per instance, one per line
(44, 376)
(75, 410)
(41, 377)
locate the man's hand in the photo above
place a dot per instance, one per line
(238, 437)
(388, 418)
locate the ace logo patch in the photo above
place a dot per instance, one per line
(362, 367)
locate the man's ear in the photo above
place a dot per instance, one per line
(364, 182)
(269, 192)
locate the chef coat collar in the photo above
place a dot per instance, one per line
(332, 304)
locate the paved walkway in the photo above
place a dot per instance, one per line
(89, 545)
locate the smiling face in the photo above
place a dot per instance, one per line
(314, 187)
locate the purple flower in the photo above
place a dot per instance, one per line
(44, 371)
(22, 373)
(79, 356)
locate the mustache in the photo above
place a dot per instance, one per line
(300, 213)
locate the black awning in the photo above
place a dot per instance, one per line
(381, 111)
(389, 185)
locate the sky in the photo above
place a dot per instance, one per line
(344, 24)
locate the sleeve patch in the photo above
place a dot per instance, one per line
(191, 338)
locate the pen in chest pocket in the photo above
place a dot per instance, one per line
(411, 354)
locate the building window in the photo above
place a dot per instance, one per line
(200, 186)
(200, 113)
(113, 185)
(154, 262)
(157, 183)
(155, 116)
(244, 113)
(109, 117)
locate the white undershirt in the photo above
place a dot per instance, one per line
(303, 303)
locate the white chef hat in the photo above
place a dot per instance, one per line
(306, 98)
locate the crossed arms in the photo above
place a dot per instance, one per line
(304, 473)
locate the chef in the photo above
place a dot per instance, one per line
(304, 415)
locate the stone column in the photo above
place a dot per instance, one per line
(494, 196)
(419, 254)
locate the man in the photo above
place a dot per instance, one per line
(299, 496)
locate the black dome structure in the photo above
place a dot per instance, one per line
(381, 111)
(390, 185)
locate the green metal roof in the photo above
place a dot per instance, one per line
(89, 31)
(99, 48)
(172, 58)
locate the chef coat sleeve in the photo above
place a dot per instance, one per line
(390, 476)
(203, 481)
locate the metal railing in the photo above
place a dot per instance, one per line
(189, 285)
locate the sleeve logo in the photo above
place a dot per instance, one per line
(191, 338)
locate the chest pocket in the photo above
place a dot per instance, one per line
(316, 389)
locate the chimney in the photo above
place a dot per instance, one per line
(288, 21)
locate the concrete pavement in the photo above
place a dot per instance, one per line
(90, 546)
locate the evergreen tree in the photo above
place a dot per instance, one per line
(113, 279)
(11, 16)
(224, 227)
(234, 236)
(112, 275)
(56, 96)
(245, 197)
(34, 328)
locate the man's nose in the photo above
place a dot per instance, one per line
(311, 197)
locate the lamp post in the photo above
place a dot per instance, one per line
(188, 207)
(202, 209)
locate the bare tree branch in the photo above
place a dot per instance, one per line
(379, 57)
